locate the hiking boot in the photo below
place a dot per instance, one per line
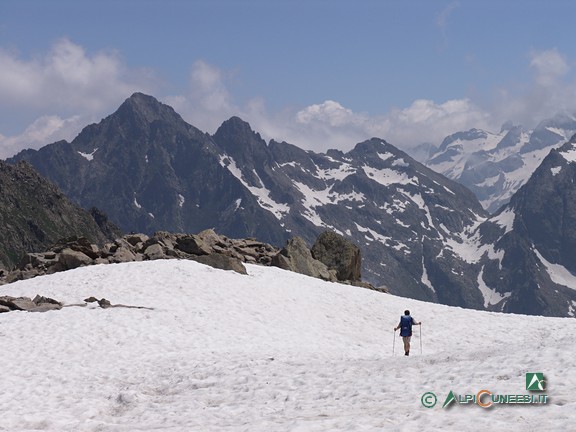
(407, 353)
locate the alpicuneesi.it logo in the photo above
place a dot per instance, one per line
(535, 382)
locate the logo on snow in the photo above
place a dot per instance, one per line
(449, 399)
(535, 381)
(428, 399)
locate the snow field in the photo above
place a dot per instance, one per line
(271, 351)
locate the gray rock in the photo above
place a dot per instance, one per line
(136, 239)
(338, 254)
(222, 262)
(154, 252)
(296, 257)
(71, 259)
(38, 300)
(122, 254)
(17, 303)
(103, 303)
(45, 307)
(193, 244)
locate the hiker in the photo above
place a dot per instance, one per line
(405, 326)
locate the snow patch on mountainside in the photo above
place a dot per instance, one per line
(340, 173)
(279, 210)
(558, 273)
(88, 156)
(491, 296)
(569, 155)
(387, 176)
(505, 220)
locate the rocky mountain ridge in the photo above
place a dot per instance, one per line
(420, 234)
(34, 214)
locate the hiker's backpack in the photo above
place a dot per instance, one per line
(405, 325)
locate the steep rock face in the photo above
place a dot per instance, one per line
(338, 254)
(34, 214)
(149, 171)
(526, 252)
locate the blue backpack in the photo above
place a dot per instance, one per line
(405, 325)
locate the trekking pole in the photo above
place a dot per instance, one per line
(393, 342)
(420, 339)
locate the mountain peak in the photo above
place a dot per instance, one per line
(236, 136)
(235, 126)
(147, 108)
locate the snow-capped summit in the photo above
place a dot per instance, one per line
(495, 165)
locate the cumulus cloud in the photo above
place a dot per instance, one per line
(329, 112)
(68, 77)
(70, 88)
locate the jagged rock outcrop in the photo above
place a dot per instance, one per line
(296, 257)
(530, 243)
(206, 247)
(338, 254)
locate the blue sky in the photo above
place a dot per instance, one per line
(319, 74)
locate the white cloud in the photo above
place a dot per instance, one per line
(329, 112)
(325, 125)
(549, 66)
(61, 89)
(42, 131)
(67, 77)
(551, 91)
(68, 88)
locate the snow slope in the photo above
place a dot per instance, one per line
(270, 351)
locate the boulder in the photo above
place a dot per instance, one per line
(338, 254)
(122, 254)
(154, 252)
(39, 304)
(164, 238)
(44, 304)
(17, 303)
(211, 239)
(296, 257)
(193, 245)
(70, 259)
(222, 262)
(44, 259)
(78, 244)
(136, 239)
